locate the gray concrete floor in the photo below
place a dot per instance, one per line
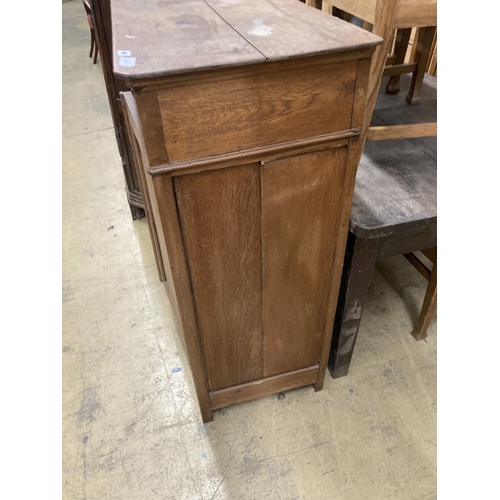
(131, 426)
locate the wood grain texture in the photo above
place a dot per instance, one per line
(300, 201)
(264, 387)
(206, 120)
(282, 29)
(234, 72)
(415, 13)
(220, 219)
(359, 102)
(390, 132)
(151, 124)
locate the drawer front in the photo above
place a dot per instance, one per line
(259, 108)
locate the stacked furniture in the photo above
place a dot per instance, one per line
(246, 122)
(101, 17)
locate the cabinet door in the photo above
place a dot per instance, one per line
(220, 218)
(301, 198)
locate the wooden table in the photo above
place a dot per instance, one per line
(394, 210)
(246, 121)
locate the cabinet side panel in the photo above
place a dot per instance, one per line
(149, 191)
(220, 220)
(300, 201)
(125, 99)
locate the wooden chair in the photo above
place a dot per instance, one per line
(395, 65)
(93, 45)
(429, 307)
(383, 17)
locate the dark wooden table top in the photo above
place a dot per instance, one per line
(396, 183)
(161, 37)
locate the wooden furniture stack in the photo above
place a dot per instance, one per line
(101, 17)
(246, 124)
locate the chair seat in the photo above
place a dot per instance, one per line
(396, 183)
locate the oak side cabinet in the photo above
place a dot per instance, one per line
(245, 120)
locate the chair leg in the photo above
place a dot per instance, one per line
(423, 54)
(356, 276)
(96, 51)
(429, 306)
(402, 41)
(92, 42)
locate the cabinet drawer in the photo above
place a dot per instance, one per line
(260, 107)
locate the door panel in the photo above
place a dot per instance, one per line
(300, 204)
(220, 219)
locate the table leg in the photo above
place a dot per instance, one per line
(424, 45)
(356, 276)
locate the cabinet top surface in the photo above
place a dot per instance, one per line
(161, 37)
